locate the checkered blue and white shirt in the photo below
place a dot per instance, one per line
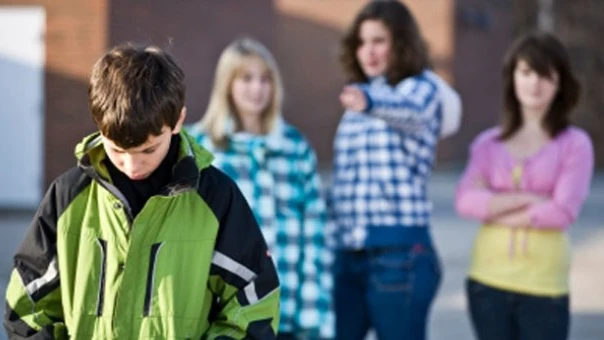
(383, 159)
(277, 174)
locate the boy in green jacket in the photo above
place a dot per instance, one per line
(144, 239)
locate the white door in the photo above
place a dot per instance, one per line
(21, 105)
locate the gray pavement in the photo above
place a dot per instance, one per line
(453, 237)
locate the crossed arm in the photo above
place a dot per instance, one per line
(557, 210)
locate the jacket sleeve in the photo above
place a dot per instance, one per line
(410, 106)
(315, 270)
(243, 278)
(33, 297)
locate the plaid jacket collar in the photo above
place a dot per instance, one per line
(273, 141)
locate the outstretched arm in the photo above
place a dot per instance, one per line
(410, 106)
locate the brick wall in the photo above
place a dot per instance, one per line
(304, 37)
(483, 31)
(308, 48)
(578, 24)
(195, 32)
(467, 39)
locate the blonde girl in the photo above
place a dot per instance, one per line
(276, 169)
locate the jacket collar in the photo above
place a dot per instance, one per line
(192, 159)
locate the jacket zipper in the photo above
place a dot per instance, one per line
(128, 210)
(101, 292)
(155, 248)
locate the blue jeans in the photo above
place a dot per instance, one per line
(388, 289)
(503, 315)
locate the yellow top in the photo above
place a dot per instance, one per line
(523, 260)
(539, 269)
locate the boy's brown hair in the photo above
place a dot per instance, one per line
(134, 92)
(545, 54)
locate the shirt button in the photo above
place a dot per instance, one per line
(121, 266)
(117, 205)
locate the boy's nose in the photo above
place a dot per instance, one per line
(131, 164)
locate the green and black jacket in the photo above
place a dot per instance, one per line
(191, 265)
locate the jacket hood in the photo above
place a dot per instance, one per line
(450, 106)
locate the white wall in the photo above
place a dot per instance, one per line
(21, 105)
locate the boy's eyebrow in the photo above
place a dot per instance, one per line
(117, 148)
(150, 147)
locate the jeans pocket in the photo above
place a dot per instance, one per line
(392, 271)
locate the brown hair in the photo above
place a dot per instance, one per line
(409, 53)
(545, 54)
(134, 92)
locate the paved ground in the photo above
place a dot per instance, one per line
(453, 238)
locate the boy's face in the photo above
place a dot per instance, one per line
(139, 162)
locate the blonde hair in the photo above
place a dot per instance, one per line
(221, 106)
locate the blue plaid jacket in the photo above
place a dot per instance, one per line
(277, 174)
(383, 159)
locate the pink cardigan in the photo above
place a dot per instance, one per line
(560, 170)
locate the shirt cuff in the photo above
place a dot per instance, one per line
(367, 100)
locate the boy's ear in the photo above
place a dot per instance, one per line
(181, 121)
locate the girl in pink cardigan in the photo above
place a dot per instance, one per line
(526, 181)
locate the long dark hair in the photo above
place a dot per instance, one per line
(545, 54)
(409, 53)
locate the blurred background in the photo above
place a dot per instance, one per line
(47, 49)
